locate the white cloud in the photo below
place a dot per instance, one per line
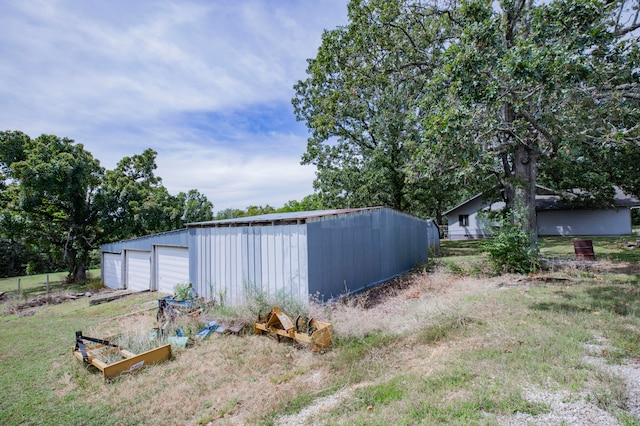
(238, 179)
(181, 77)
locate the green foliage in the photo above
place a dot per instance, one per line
(13, 258)
(196, 207)
(510, 248)
(133, 202)
(57, 204)
(360, 104)
(229, 214)
(412, 103)
(183, 291)
(53, 183)
(308, 203)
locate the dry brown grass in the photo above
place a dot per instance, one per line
(238, 379)
(422, 298)
(244, 379)
(230, 378)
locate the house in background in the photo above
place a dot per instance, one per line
(554, 217)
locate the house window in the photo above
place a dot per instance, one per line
(463, 219)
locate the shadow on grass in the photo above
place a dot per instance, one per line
(621, 299)
(618, 248)
(462, 247)
(559, 307)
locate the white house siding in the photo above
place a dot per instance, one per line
(138, 270)
(172, 267)
(112, 270)
(474, 229)
(584, 222)
(234, 261)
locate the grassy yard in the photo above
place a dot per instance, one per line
(33, 285)
(437, 347)
(466, 256)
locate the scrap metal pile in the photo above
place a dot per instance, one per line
(92, 351)
(112, 359)
(316, 333)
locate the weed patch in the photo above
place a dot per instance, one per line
(443, 329)
(380, 394)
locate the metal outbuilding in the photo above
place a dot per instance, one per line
(134, 264)
(320, 254)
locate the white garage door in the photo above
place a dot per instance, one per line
(138, 269)
(172, 265)
(112, 270)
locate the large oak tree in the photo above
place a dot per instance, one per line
(511, 92)
(54, 182)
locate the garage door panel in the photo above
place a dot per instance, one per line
(138, 266)
(172, 265)
(112, 270)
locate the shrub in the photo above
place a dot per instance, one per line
(183, 291)
(511, 249)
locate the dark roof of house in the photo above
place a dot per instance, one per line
(546, 199)
(555, 202)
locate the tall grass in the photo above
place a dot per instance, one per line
(435, 348)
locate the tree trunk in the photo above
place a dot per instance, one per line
(520, 180)
(78, 275)
(438, 212)
(525, 165)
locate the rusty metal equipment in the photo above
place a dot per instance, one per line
(89, 350)
(316, 333)
(169, 307)
(584, 249)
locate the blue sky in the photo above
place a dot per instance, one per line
(206, 84)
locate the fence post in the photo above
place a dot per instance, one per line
(47, 285)
(18, 288)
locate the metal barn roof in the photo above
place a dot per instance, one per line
(276, 218)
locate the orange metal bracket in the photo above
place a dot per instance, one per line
(319, 335)
(130, 363)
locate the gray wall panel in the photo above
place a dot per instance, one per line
(242, 259)
(357, 250)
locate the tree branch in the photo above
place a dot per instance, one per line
(627, 30)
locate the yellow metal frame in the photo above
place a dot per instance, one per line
(131, 363)
(279, 324)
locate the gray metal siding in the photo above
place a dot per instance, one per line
(232, 261)
(584, 222)
(173, 238)
(354, 251)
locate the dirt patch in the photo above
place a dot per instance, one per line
(52, 299)
(309, 415)
(379, 294)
